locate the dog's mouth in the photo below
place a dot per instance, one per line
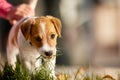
(49, 57)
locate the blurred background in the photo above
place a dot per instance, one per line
(90, 31)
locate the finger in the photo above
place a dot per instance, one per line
(28, 11)
(24, 7)
(24, 13)
(19, 15)
(27, 8)
(14, 22)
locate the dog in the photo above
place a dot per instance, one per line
(31, 38)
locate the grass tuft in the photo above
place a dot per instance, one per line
(21, 74)
(44, 74)
(17, 74)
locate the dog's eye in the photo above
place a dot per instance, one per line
(38, 39)
(52, 36)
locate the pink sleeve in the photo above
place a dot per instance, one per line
(4, 8)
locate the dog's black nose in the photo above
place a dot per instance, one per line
(48, 53)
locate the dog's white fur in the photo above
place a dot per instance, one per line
(27, 53)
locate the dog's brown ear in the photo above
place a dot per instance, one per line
(57, 24)
(26, 28)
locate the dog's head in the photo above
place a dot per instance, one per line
(42, 33)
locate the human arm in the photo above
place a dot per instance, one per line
(14, 13)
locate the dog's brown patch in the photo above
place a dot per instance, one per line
(32, 29)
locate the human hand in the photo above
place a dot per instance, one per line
(18, 12)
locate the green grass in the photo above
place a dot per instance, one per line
(17, 74)
(44, 74)
(21, 74)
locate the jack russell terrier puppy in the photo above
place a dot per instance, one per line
(31, 38)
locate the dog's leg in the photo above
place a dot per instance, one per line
(12, 53)
(28, 66)
(52, 65)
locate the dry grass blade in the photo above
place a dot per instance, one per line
(108, 77)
